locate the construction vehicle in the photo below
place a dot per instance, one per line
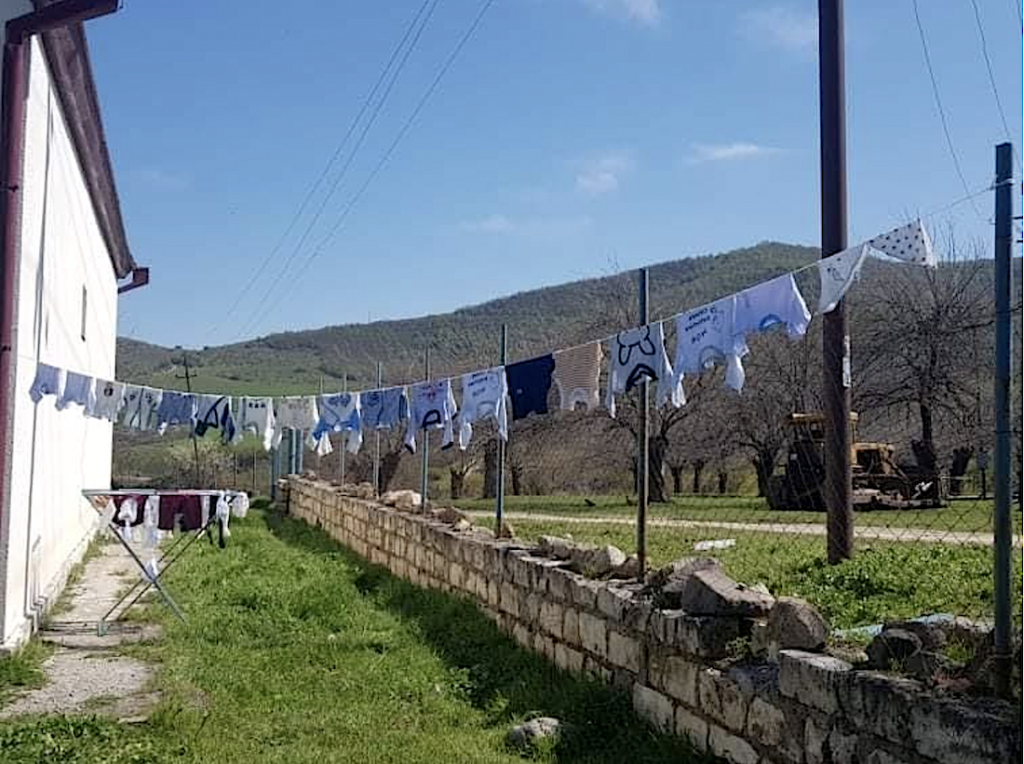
(878, 481)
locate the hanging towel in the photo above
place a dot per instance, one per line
(49, 380)
(484, 396)
(141, 405)
(909, 243)
(108, 400)
(257, 415)
(340, 413)
(79, 389)
(383, 409)
(838, 272)
(640, 353)
(577, 375)
(215, 411)
(296, 413)
(431, 404)
(176, 408)
(529, 383)
(704, 337)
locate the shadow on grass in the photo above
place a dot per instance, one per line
(506, 682)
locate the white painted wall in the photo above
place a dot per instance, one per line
(56, 453)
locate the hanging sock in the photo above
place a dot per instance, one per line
(909, 243)
(49, 380)
(484, 396)
(151, 522)
(577, 375)
(637, 354)
(838, 272)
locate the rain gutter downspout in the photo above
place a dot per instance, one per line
(17, 34)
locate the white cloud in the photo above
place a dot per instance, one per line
(646, 12)
(729, 152)
(600, 175)
(782, 26)
(534, 227)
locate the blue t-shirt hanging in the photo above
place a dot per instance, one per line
(528, 385)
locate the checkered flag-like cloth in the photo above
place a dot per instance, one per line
(909, 243)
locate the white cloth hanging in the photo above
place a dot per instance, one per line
(484, 396)
(126, 515)
(296, 413)
(838, 273)
(49, 380)
(909, 243)
(79, 389)
(240, 504)
(108, 400)
(639, 353)
(340, 413)
(141, 405)
(324, 447)
(706, 336)
(257, 415)
(431, 404)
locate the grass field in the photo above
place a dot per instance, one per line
(298, 651)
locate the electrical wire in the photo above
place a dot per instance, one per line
(942, 111)
(317, 251)
(338, 150)
(257, 312)
(992, 78)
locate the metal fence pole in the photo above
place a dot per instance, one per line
(376, 440)
(344, 433)
(425, 463)
(643, 485)
(1003, 520)
(499, 490)
(275, 471)
(300, 450)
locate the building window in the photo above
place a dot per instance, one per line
(85, 307)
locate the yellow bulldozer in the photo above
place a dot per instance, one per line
(878, 481)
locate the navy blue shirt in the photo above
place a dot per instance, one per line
(528, 385)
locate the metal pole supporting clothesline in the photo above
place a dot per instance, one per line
(425, 458)
(838, 486)
(499, 489)
(344, 433)
(643, 455)
(1003, 531)
(195, 442)
(376, 439)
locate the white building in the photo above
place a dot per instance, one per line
(62, 251)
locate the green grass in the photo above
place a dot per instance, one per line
(298, 651)
(23, 669)
(966, 516)
(883, 581)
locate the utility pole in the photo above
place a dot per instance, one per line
(376, 440)
(838, 485)
(188, 387)
(1003, 519)
(425, 463)
(499, 489)
(643, 446)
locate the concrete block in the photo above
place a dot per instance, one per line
(765, 723)
(706, 636)
(571, 626)
(568, 659)
(812, 679)
(594, 635)
(654, 707)
(679, 679)
(509, 599)
(624, 652)
(551, 618)
(613, 602)
(731, 747)
(692, 727)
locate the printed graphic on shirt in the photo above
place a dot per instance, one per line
(383, 409)
(706, 336)
(256, 415)
(296, 413)
(639, 354)
(108, 401)
(431, 404)
(340, 413)
(140, 407)
(484, 396)
(577, 377)
(838, 273)
(215, 411)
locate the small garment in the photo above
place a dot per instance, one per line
(706, 336)
(176, 408)
(296, 413)
(215, 411)
(151, 530)
(529, 383)
(108, 400)
(431, 404)
(637, 354)
(257, 415)
(127, 514)
(49, 380)
(772, 303)
(577, 375)
(340, 413)
(484, 396)
(383, 409)
(909, 243)
(324, 447)
(240, 504)
(838, 272)
(79, 389)
(140, 408)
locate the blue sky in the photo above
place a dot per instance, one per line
(569, 137)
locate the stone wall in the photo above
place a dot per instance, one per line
(803, 708)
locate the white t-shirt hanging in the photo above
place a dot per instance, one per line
(79, 389)
(108, 401)
(140, 407)
(909, 243)
(431, 404)
(769, 304)
(296, 413)
(639, 353)
(706, 336)
(340, 413)
(838, 272)
(484, 395)
(257, 415)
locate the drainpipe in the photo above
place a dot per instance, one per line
(18, 33)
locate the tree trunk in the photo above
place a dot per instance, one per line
(388, 467)
(961, 460)
(677, 477)
(698, 471)
(457, 482)
(515, 472)
(926, 453)
(656, 448)
(491, 469)
(723, 482)
(764, 465)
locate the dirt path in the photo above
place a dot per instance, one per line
(87, 673)
(925, 535)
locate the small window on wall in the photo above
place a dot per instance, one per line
(85, 308)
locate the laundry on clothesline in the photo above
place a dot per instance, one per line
(909, 243)
(49, 380)
(638, 354)
(108, 400)
(529, 383)
(431, 406)
(296, 413)
(837, 274)
(256, 415)
(214, 411)
(176, 408)
(384, 409)
(340, 413)
(79, 389)
(577, 377)
(484, 396)
(141, 405)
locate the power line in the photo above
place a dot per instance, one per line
(328, 166)
(992, 77)
(386, 156)
(258, 312)
(942, 111)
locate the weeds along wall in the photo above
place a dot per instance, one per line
(804, 708)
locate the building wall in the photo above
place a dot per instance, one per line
(56, 453)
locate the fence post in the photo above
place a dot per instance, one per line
(1003, 532)
(425, 458)
(643, 454)
(344, 433)
(499, 489)
(376, 440)
(300, 450)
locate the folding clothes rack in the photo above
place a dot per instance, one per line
(100, 500)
